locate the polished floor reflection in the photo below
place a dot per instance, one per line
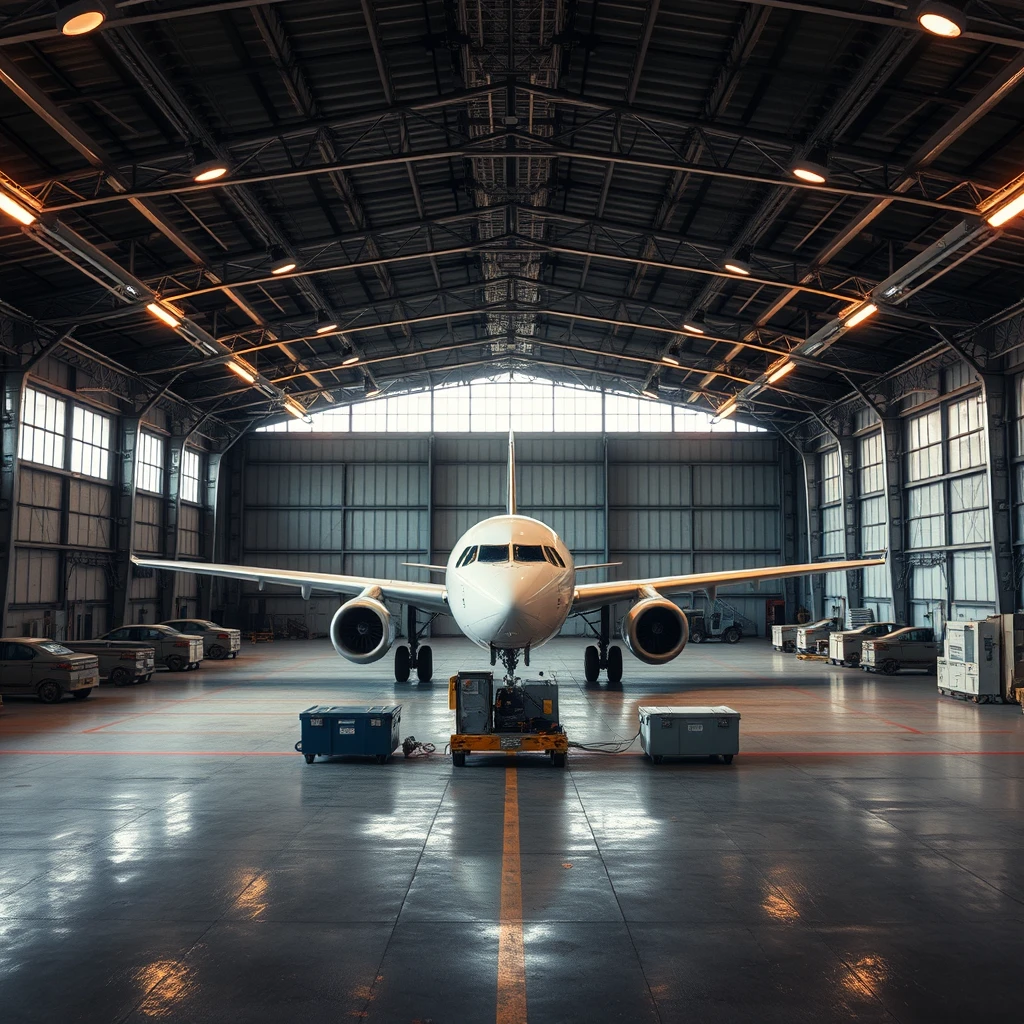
(166, 855)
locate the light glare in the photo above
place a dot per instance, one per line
(162, 314)
(15, 210)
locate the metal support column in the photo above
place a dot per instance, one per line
(998, 417)
(814, 532)
(167, 597)
(790, 529)
(430, 513)
(233, 555)
(892, 441)
(124, 519)
(13, 396)
(208, 532)
(851, 518)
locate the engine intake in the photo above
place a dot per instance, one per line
(655, 630)
(362, 630)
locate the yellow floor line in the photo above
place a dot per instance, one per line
(511, 957)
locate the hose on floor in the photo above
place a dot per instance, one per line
(606, 746)
(412, 747)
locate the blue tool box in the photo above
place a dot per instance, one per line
(333, 730)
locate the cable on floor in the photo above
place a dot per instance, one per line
(606, 746)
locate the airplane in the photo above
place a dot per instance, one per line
(510, 584)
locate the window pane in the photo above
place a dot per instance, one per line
(190, 476)
(42, 429)
(150, 463)
(90, 443)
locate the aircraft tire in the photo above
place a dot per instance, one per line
(425, 664)
(403, 664)
(591, 664)
(614, 665)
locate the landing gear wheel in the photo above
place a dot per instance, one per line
(175, 663)
(731, 635)
(614, 664)
(50, 692)
(557, 759)
(698, 636)
(425, 664)
(120, 676)
(310, 758)
(403, 664)
(591, 664)
(216, 652)
(853, 660)
(81, 694)
(890, 666)
(459, 758)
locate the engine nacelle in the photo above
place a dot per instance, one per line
(655, 630)
(362, 630)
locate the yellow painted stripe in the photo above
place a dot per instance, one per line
(511, 957)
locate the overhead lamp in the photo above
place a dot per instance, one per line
(370, 389)
(997, 218)
(777, 374)
(14, 209)
(163, 314)
(727, 410)
(243, 370)
(652, 389)
(323, 324)
(206, 165)
(940, 19)
(280, 261)
(812, 168)
(350, 360)
(695, 325)
(861, 314)
(740, 263)
(295, 409)
(669, 360)
(80, 17)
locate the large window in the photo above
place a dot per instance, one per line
(190, 475)
(150, 463)
(42, 429)
(530, 406)
(90, 443)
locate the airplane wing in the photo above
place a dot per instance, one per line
(593, 595)
(428, 596)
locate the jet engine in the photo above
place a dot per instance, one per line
(362, 630)
(655, 630)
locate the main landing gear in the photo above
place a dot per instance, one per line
(416, 656)
(603, 656)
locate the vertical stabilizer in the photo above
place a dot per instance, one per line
(511, 473)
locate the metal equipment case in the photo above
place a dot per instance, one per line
(971, 666)
(345, 730)
(689, 732)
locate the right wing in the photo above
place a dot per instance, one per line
(428, 596)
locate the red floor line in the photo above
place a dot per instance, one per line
(867, 714)
(881, 753)
(156, 753)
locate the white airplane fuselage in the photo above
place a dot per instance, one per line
(504, 601)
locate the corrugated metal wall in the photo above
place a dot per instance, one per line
(365, 504)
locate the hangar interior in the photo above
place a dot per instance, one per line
(744, 277)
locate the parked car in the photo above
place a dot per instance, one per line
(218, 641)
(46, 668)
(121, 663)
(844, 646)
(178, 651)
(909, 647)
(807, 637)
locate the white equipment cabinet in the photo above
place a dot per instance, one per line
(970, 668)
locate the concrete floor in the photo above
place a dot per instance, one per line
(164, 854)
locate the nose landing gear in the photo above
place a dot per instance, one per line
(416, 656)
(603, 656)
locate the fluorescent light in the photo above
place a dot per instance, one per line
(162, 314)
(727, 410)
(739, 264)
(669, 360)
(859, 316)
(695, 325)
(295, 409)
(323, 324)
(15, 209)
(243, 369)
(813, 167)
(940, 19)
(209, 171)
(280, 262)
(370, 390)
(350, 360)
(81, 17)
(776, 375)
(997, 218)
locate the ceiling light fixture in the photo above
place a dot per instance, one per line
(280, 262)
(777, 374)
(669, 360)
(940, 19)
(81, 17)
(727, 410)
(653, 389)
(323, 324)
(295, 409)
(14, 209)
(812, 168)
(370, 389)
(861, 314)
(162, 314)
(243, 370)
(740, 263)
(350, 360)
(207, 166)
(695, 325)
(997, 218)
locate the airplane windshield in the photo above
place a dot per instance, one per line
(554, 557)
(493, 553)
(527, 553)
(466, 557)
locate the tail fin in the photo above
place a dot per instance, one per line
(511, 473)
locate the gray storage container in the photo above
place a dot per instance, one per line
(689, 732)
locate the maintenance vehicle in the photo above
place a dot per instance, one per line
(910, 647)
(784, 637)
(177, 651)
(120, 663)
(714, 626)
(33, 665)
(807, 637)
(844, 645)
(218, 641)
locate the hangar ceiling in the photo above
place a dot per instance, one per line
(554, 186)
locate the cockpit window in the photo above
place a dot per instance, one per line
(493, 553)
(466, 557)
(527, 553)
(554, 557)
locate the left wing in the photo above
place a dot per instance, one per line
(428, 596)
(594, 595)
